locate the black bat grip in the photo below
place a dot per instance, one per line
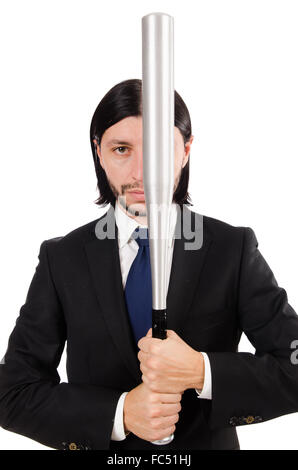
(159, 323)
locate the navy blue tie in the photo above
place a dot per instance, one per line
(138, 288)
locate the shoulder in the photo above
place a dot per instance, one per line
(223, 232)
(221, 228)
(74, 239)
(230, 240)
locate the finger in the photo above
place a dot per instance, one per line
(172, 334)
(170, 409)
(143, 356)
(164, 422)
(143, 368)
(165, 432)
(145, 343)
(170, 397)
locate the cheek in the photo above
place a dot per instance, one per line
(177, 166)
(179, 156)
(117, 174)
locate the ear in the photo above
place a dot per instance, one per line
(187, 151)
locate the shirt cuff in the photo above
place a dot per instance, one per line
(206, 391)
(118, 433)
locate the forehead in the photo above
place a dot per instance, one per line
(130, 130)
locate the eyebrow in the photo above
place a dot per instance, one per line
(115, 141)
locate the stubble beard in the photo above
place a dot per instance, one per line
(121, 198)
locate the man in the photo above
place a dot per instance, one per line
(126, 389)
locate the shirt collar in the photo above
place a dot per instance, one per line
(126, 225)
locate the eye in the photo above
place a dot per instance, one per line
(119, 148)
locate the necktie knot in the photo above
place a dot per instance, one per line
(141, 236)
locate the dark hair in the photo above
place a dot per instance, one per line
(124, 100)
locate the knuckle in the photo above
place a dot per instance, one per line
(176, 398)
(172, 420)
(151, 375)
(152, 364)
(154, 412)
(155, 349)
(153, 387)
(149, 362)
(154, 397)
(151, 398)
(157, 411)
(156, 364)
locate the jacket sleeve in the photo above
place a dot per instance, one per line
(33, 402)
(250, 388)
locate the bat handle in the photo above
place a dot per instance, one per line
(164, 441)
(159, 323)
(159, 330)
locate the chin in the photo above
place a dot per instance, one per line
(137, 206)
(131, 205)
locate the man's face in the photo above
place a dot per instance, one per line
(121, 156)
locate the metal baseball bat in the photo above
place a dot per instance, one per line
(158, 156)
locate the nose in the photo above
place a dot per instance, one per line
(137, 170)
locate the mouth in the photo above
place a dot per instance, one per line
(139, 195)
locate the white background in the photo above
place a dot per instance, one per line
(235, 68)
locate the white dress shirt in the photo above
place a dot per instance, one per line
(128, 249)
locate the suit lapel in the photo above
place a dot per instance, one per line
(190, 249)
(104, 263)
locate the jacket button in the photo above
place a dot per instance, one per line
(72, 446)
(233, 421)
(258, 419)
(249, 419)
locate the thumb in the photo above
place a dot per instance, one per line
(172, 334)
(149, 333)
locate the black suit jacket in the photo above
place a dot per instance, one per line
(215, 293)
